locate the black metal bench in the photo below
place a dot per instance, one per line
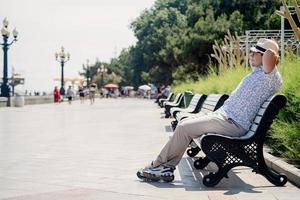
(173, 100)
(228, 152)
(161, 101)
(193, 107)
(210, 104)
(178, 102)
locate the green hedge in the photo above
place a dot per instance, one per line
(285, 137)
(285, 131)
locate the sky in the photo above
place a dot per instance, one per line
(88, 29)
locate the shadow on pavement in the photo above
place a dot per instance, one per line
(191, 180)
(193, 177)
(168, 128)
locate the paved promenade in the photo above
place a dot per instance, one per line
(64, 152)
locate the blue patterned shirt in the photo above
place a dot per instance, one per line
(245, 101)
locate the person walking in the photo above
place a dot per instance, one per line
(92, 92)
(81, 94)
(56, 95)
(233, 119)
(70, 94)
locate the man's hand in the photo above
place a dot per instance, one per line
(269, 60)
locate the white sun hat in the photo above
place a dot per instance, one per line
(264, 44)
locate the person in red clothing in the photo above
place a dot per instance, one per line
(56, 95)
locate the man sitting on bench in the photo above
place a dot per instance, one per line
(232, 119)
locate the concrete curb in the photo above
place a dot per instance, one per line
(279, 165)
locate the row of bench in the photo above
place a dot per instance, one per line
(227, 152)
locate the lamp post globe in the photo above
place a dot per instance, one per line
(5, 91)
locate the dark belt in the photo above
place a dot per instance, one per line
(230, 120)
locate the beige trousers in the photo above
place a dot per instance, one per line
(190, 128)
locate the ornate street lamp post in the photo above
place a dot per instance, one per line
(102, 70)
(87, 67)
(5, 33)
(62, 58)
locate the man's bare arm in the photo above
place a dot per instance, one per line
(270, 60)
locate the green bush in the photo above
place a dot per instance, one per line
(214, 83)
(284, 138)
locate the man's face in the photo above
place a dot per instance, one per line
(255, 59)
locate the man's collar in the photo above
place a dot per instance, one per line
(254, 69)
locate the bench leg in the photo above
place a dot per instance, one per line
(213, 178)
(193, 151)
(201, 163)
(277, 179)
(174, 124)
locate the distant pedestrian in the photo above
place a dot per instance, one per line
(92, 92)
(81, 94)
(56, 95)
(101, 92)
(70, 94)
(105, 92)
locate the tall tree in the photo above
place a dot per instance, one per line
(175, 37)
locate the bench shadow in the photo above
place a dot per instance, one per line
(191, 180)
(191, 176)
(168, 128)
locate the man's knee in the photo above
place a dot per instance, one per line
(183, 121)
(181, 129)
(179, 126)
(192, 127)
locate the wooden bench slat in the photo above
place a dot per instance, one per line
(257, 119)
(209, 105)
(261, 112)
(265, 105)
(253, 127)
(210, 108)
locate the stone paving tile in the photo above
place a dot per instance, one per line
(82, 193)
(93, 152)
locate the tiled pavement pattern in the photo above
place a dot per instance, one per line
(63, 152)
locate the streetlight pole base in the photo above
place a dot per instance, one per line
(4, 91)
(62, 91)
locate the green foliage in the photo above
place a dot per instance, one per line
(113, 75)
(285, 139)
(214, 83)
(285, 136)
(158, 31)
(175, 37)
